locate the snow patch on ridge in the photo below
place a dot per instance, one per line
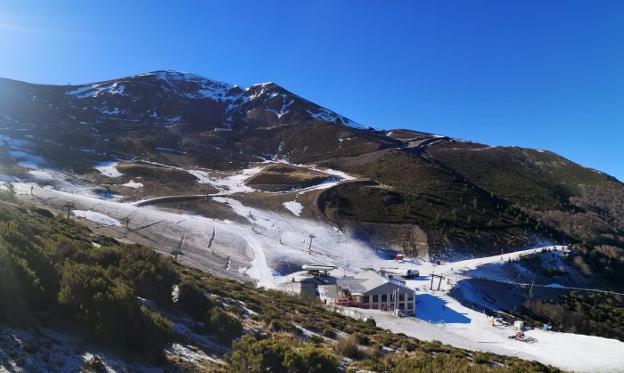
(95, 90)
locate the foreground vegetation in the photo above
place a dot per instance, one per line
(55, 273)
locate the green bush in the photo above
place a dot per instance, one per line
(28, 281)
(192, 299)
(152, 276)
(250, 355)
(225, 327)
(311, 359)
(279, 355)
(109, 310)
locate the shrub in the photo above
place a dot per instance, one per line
(192, 300)
(250, 355)
(311, 359)
(109, 310)
(329, 333)
(371, 322)
(152, 276)
(421, 362)
(28, 281)
(348, 347)
(279, 355)
(225, 327)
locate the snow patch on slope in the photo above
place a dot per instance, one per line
(108, 169)
(294, 207)
(226, 183)
(133, 184)
(95, 90)
(97, 217)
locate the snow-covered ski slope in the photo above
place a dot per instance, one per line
(266, 247)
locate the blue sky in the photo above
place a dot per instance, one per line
(540, 74)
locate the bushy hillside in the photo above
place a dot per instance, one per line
(534, 179)
(409, 188)
(582, 204)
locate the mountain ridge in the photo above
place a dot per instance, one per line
(235, 102)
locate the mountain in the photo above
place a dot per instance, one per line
(164, 98)
(425, 194)
(136, 211)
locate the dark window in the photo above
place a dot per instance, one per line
(375, 298)
(401, 306)
(410, 297)
(401, 297)
(365, 299)
(410, 306)
(384, 297)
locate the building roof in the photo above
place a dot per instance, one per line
(352, 284)
(365, 281)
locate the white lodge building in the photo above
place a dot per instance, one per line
(370, 290)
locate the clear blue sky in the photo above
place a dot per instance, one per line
(541, 74)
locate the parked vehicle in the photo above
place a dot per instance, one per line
(405, 273)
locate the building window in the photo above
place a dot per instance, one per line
(401, 306)
(410, 297)
(375, 298)
(401, 297)
(384, 297)
(365, 299)
(410, 306)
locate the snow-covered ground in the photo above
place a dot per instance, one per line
(96, 217)
(46, 350)
(282, 241)
(227, 183)
(133, 184)
(294, 207)
(442, 318)
(108, 169)
(269, 246)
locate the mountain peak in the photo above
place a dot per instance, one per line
(170, 96)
